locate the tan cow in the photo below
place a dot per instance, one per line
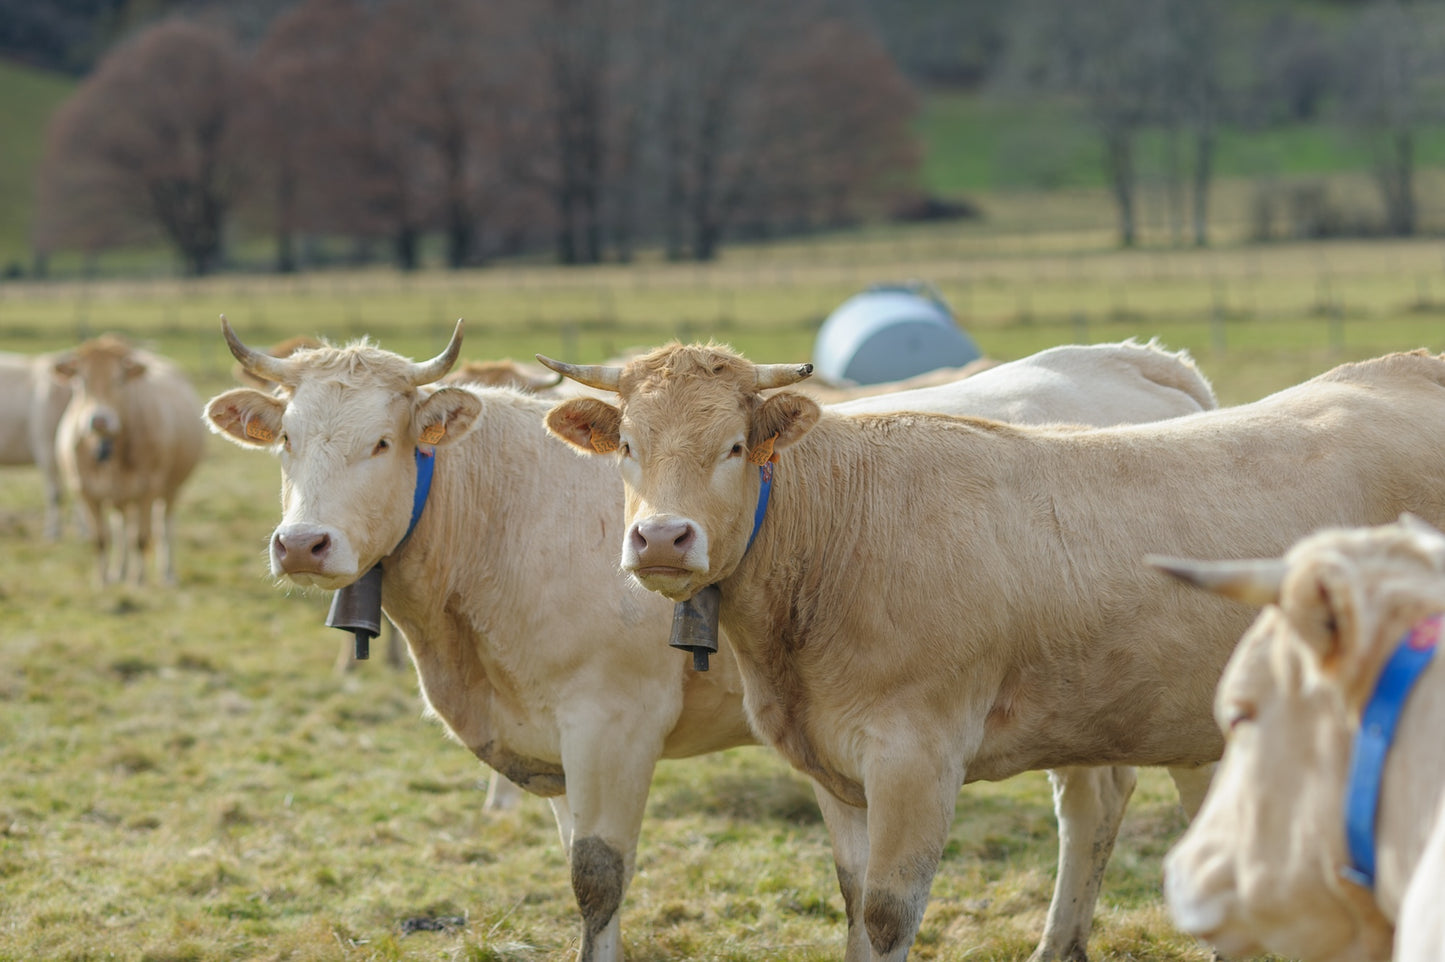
(127, 441)
(32, 400)
(536, 652)
(504, 373)
(934, 600)
(1261, 868)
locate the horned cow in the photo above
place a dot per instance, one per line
(536, 652)
(1268, 864)
(918, 601)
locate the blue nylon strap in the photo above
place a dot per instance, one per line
(1372, 744)
(425, 462)
(765, 491)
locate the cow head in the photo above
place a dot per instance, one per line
(346, 424)
(98, 372)
(1259, 868)
(689, 432)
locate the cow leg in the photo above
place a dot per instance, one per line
(609, 771)
(140, 519)
(100, 539)
(1089, 804)
(910, 809)
(1192, 785)
(848, 831)
(166, 543)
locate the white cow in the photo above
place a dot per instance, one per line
(918, 601)
(128, 440)
(536, 652)
(32, 400)
(1263, 866)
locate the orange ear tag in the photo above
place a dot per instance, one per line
(763, 453)
(432, 434)
(600, 444)
(259, 432)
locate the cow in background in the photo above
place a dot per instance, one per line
(535, 652)
(32, 399)
(1261, 868)
(128, 440)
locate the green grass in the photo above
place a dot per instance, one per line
(183, 777)
(27, 98)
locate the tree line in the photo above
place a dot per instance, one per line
(593, 127)
(501, 126)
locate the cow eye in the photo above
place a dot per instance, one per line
(1238, 715)
(624, 450)
(381, 446)
(285, 441)
(737, 450)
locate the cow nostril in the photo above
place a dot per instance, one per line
(278, 545)
(321, 546)
(684, 540)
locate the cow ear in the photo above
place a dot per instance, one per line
(133, 368)
(588, 424)
(447, 415)
(1322, 604)
(246, 416)
(786, 417)
(65, 367)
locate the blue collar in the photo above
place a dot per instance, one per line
(1372, 744)
(425, 462)
(765, 491)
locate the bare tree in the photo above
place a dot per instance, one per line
(146, 146)
(1394, 49)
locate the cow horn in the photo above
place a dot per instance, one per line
(781, 375)
(1255, 581)
(600, 376)
(256, 362)
(428, 371)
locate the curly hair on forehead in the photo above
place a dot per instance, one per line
(688, 360)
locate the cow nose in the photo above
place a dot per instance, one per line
(298, 551)
(662, 541)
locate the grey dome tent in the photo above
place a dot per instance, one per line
(890, 332)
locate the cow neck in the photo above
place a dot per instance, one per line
(765, 493)
(425, 465)
(357, 607)
(1378, 721)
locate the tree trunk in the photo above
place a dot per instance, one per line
(1119, 159)
(1203, 173)
(405, 245)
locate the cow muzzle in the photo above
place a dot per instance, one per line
(311, 554)
(665, 553)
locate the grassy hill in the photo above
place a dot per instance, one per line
(27, 98)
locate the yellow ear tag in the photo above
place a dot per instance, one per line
(259, 432)
(432, 434)
(763, 453)
(601, 444)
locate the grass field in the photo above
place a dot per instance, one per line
(183, 777)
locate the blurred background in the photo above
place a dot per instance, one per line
(155, 137)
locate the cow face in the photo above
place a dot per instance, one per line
(690, 432)
(98, 372)
(1259, 868)
(346, 426)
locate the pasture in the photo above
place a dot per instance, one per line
(183, 777)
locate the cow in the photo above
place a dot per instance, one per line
(536, 653)
(128, 440)
(916, 601)
(1266, 866)
(32, 399)
(504, 373)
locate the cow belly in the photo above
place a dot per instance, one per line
(532, 774)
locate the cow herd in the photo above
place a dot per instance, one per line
(1057, 563)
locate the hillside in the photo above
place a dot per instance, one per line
(27, 98)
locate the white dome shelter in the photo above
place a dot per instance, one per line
(890, 332)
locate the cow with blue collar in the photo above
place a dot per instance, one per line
(1332, 706)
(917, 601)
(536, 652)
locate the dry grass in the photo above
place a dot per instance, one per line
(182, 777)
